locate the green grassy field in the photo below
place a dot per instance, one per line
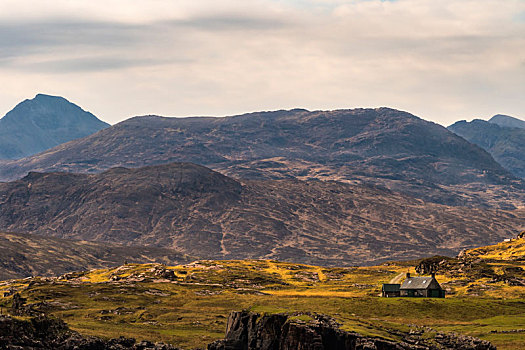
(191, 307)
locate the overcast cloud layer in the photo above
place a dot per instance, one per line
(441, 60)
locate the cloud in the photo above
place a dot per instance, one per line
(61, 38)
(53, 34)
(440, 59)
(232, 22)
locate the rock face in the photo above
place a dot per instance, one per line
(246, 331)
(381, 146)
(47, 333)
(42, 123)
(505, 143)
(250, 331)
(205, 214)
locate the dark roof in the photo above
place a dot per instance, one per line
(391, 287)
(419, 283)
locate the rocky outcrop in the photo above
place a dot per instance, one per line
(433, 264)
(245, 331)
(251, 331)
(48, 333)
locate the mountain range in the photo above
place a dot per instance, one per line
(381, 146)
(502, 136)
(41, 123)
(340, 187)
(203, 213)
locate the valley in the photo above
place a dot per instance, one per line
(175, 229)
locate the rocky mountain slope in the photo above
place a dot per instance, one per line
(24, 255)
(204, 213)
(506, 144)
(41, 123)
(382, 146)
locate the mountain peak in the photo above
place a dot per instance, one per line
(44, 96)
(43, 122)
(507, 121)
(45, 107)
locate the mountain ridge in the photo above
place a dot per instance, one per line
(382, 146)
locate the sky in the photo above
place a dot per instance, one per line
(440, 60)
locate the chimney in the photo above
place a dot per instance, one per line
(408, 274)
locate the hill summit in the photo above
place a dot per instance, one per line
(44, 122)
(507, 121)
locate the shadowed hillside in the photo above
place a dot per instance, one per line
(203, 213)
(506, 144)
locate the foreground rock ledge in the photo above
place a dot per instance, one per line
(49, 333)
(251, 331)
(245, 331)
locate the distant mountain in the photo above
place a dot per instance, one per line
(505, 144)
(24, 255)
(507, 121)
(202, 213)
(42, 123)
(380, 146)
